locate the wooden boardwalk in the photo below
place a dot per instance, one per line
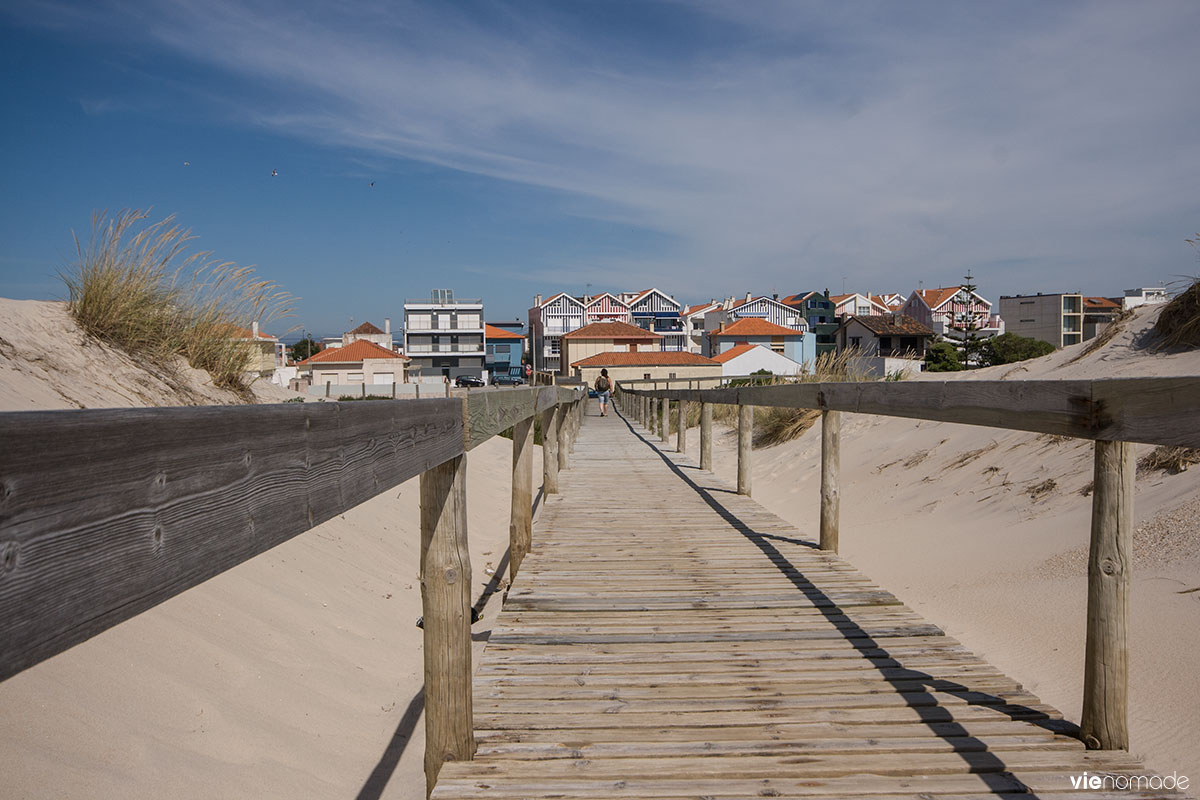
(668, 638)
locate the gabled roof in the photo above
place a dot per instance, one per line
(611, 330)
(492, 332)
(353, 353)
(366, 328)
(653, 358)
(645, 292)
(687, 312)
(754, 327)
(734, 352)
(891, 325)
(601, 296)
(574, 300)
(935, 298)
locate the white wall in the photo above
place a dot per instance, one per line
(759, 357)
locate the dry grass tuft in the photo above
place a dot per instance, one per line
(1171, 460)
(1178, 323)
(774, 426)
(1039, 490)
(135, 286)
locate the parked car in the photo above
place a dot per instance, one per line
(507, 380)
(468, 381)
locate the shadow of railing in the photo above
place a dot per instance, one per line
(924, 704)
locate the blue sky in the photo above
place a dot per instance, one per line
(707, 148)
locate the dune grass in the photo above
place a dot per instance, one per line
(1169, 459)
(774, 426)
(1178, 323)
(137, 287)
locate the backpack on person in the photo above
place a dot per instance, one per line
(602, 384)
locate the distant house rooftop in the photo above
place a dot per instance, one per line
(655, 358)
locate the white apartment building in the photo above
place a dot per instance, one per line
(444, 336)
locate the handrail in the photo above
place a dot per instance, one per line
(1111, 411)
(1149, 410)
(106, 513)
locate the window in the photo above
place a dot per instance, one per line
(355, 377)
(645, 376)
(468, 321)
(420, 322)
(855, 341)
(671, 375)
(555, 346)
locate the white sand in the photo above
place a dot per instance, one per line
(284, 677)
(942, 515)
(47, 362)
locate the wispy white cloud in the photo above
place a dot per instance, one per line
(774, 144)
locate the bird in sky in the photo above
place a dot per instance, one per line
(187, 163)
(274, 173)
(372, 183)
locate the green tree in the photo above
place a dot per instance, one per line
(943, 357)
(304, 348)
(1008, 348)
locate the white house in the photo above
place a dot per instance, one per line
(746, 359)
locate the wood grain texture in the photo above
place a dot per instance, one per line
(716, 652)
(706, 420)
(446, 606)
(831, 461)
(106, 513)
(745, 440)
(494, 410)
(520, 525)
(550, 420)
(1105, 720)
(1149, 410)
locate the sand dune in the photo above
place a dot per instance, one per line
(961, 523)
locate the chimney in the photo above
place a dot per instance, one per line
(747, 297)
(387, 325)
(254, 328)
(774, 295)
(537, 300)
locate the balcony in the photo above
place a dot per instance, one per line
(457, 349)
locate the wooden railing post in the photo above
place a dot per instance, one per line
(1104, 723)
(745, 432)
(564, 436)
(831, 459)
(573, 429)
(681, 427)
(706, 412)
(446, 603)
(664, 420)
(550, 450)
(520, 525)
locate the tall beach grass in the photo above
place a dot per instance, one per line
(136, 286)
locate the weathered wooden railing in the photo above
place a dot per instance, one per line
(1112, 412)
(106, 513)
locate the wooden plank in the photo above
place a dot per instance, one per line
(520, 525)
(1149, 410)
(831, 460)
(446, 608)
(1105, 721)
(107, 513)
(494, 410)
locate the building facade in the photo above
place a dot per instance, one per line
(747, 359)
(954, 312)
(765, 309)
(361, 363)
(818, 308)
(658, 312)
(606, 337)
(799, 346)
(646, 365)
(1053, 318)
(444, 336)
(504, 350)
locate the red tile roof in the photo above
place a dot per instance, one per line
(611, 330)
(353, 353)
(693, 309)
(1101, 303)
(754, 327)
(492, 332)
(238, 332)
(366, 328)
(655, 358)
(734, 352)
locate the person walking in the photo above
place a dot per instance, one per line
(603, 391)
